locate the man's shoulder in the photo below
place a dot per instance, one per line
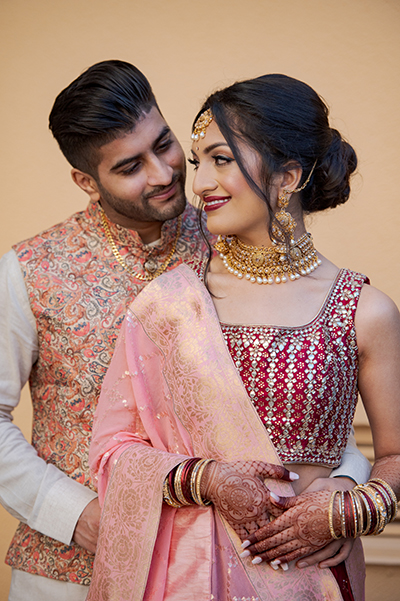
(54, 234)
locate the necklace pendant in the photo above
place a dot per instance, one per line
(150, 266)
(258, 258)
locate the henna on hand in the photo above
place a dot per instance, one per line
(239, 493)
(302, 529)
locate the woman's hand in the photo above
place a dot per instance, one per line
(337, 550)
(239, 493)
(302, 529)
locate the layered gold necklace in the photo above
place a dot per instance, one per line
(150, 264)
(268, 264)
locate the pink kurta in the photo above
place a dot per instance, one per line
(171, 392)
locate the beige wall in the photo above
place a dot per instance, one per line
(348, 50)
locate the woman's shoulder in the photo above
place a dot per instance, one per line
(377, 318)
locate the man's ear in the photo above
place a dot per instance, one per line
(87, 183)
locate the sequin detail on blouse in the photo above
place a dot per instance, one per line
(303, 380)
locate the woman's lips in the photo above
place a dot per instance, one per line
(212, 203)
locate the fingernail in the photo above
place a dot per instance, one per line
(244, 554)
(246, 544)
(275, 564)
(256, 560)
(302, 564)
(284, 567)
(274, 496)
(294, 476)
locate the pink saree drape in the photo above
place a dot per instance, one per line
(172, 392)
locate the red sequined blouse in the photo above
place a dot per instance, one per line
(303, 380)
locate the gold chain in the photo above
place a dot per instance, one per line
(148, 276)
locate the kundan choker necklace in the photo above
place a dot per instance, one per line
(266, 265)
(150, 265)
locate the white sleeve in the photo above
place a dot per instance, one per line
(34, 492)
(354, 464)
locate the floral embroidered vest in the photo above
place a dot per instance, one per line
(79, 294)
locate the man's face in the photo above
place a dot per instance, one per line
(141, 176)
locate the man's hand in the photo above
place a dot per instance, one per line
(87, 527)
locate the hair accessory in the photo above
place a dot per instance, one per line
(307, 180)
(150, 265)
(201, 125)
(266, 265)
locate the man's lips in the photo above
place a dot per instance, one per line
(165, 194)
(211, 203)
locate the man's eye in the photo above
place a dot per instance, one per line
(131, 169)
(164, 145)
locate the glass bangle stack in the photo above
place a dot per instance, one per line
(364, 510)
(182, 485)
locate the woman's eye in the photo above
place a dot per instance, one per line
(221, 160)
(194, 163)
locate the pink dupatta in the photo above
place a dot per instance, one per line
(172, 392)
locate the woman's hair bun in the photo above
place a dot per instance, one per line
(330, 184)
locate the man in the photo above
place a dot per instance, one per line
(64, 296)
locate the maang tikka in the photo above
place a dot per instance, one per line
(201, 125)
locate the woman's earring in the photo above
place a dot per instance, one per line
(285, 220)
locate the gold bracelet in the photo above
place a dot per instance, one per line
(197, 484)
(357, 512)
(193, 482)
(361, 514)
(343, 516)
(377, 500)
(178, 483)
(330, 515)
(390, 492)
(167, 497)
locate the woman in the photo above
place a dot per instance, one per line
(205, 399)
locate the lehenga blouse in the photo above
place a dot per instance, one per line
(303, 380)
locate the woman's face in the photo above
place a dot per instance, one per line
(232, 207)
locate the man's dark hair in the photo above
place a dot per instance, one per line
(103, 103)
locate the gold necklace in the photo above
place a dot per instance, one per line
(266, 265)
(150, 265)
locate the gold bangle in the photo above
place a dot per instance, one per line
(390, 492)
(361, 514)
(178, 483)
(197, 485)
(365, 504)
(167, 497)
(358, 513)
(377, 500)
(193, 482)
(330, 516)
(342, 514)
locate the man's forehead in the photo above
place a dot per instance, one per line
(141, 138)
